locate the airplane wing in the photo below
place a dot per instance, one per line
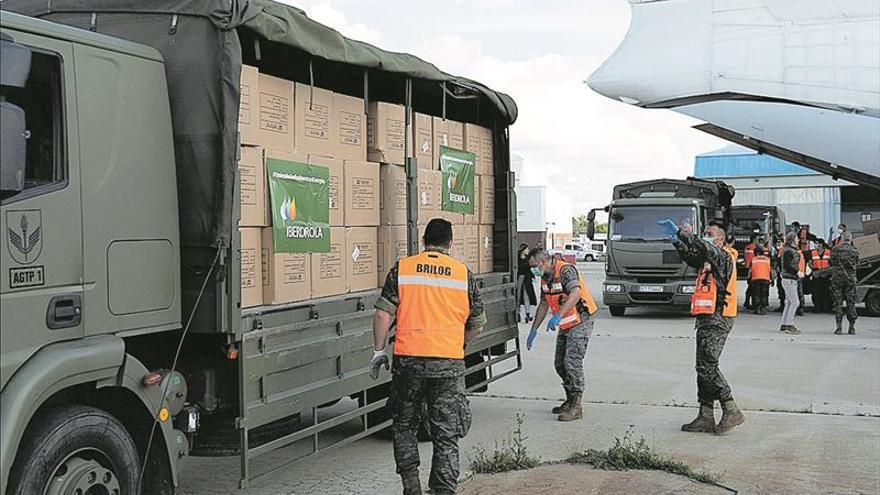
(797, 80)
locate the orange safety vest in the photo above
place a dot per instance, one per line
(820, 261)
(434, 306)
(555, 296)
(760, 268)
(802, 262)
(705, 295)
(749, 253)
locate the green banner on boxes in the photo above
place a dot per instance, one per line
(458, 180)
(300, 201)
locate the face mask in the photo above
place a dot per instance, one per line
(709, 239)
(537, 271)
(839, 230)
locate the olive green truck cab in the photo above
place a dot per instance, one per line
(124, 347)
(642, 267)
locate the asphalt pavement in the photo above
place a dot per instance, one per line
(812, 404)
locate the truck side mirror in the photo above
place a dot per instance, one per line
(15, 67)
(591, 224)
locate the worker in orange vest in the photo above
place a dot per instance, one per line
(714, 306)
(748, 255)
(566, 297)
(760, 278)
(820, 261)
(438, 310)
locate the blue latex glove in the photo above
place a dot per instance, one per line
(531, 339)
(669, 228)
(554, 322)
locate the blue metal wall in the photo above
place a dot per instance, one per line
(745, 165)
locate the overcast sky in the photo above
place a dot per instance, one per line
(539, 53)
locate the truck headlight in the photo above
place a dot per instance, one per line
(687, 289)
(613, 288)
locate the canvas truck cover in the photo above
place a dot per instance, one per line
(714, 193)
(200, 42)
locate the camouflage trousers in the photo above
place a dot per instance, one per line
(571, 347)
(844, 290)
(711, 384)
(448, 417)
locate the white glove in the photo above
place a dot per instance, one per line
(379, 359)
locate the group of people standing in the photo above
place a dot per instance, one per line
(832, 271)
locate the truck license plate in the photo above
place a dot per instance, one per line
(650, 288)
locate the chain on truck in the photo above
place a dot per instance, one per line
(125, 345)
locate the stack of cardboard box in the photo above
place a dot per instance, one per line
(304, 124)
(478, 140)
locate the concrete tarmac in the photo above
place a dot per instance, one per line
(812, 404)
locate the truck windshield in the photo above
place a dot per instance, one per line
(639, 223)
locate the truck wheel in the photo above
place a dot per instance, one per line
(617, 310)
(872, 302)
(589, 258)
(75, 449)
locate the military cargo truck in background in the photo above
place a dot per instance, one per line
(767, 222)
(124, 341)
(642, 268)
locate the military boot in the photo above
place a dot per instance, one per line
(704, 422)
(838, 330)
(411, 483)
(561, 407)
(574, 410)
(852, 328)
(731, 416)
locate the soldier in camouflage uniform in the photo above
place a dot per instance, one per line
(844, 259)
(712, 329)
(571, 343)
(435, 381)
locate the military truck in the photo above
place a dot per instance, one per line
(767, 222)
(642, 268)
(124, 344)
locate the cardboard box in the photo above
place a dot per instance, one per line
(392, 194)
(429, 195)
(312, 120)
(361, 258)
(337, 187)
(386, 131)
(868, 246)
(423, 140)
(248, 106)
(472, 247)
(286, 276)
(276, 113)
(459, 246)
(391, 245)
(486, 249)
(361, 192)
(474, 218)
(478, 140)
(329, 270)
(252, 185)
(487, 200)
(871, 226)
(349, 128)
(251, 267)
(446, 133)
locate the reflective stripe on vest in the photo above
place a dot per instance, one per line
(760, 268)
(434, 306)
(730, 300)
(555, 296)
(820, 261)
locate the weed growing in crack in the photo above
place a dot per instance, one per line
(510, 454)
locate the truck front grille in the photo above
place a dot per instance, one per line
(647, 297)
(644, 271)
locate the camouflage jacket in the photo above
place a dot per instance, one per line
(844, 260)
(430, 367)
(697, 252)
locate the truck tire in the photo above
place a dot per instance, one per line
(872, 302)
(617, 310)
(76, 449)
(589, 258)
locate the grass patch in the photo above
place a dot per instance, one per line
(509, 455)
(629, 454)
